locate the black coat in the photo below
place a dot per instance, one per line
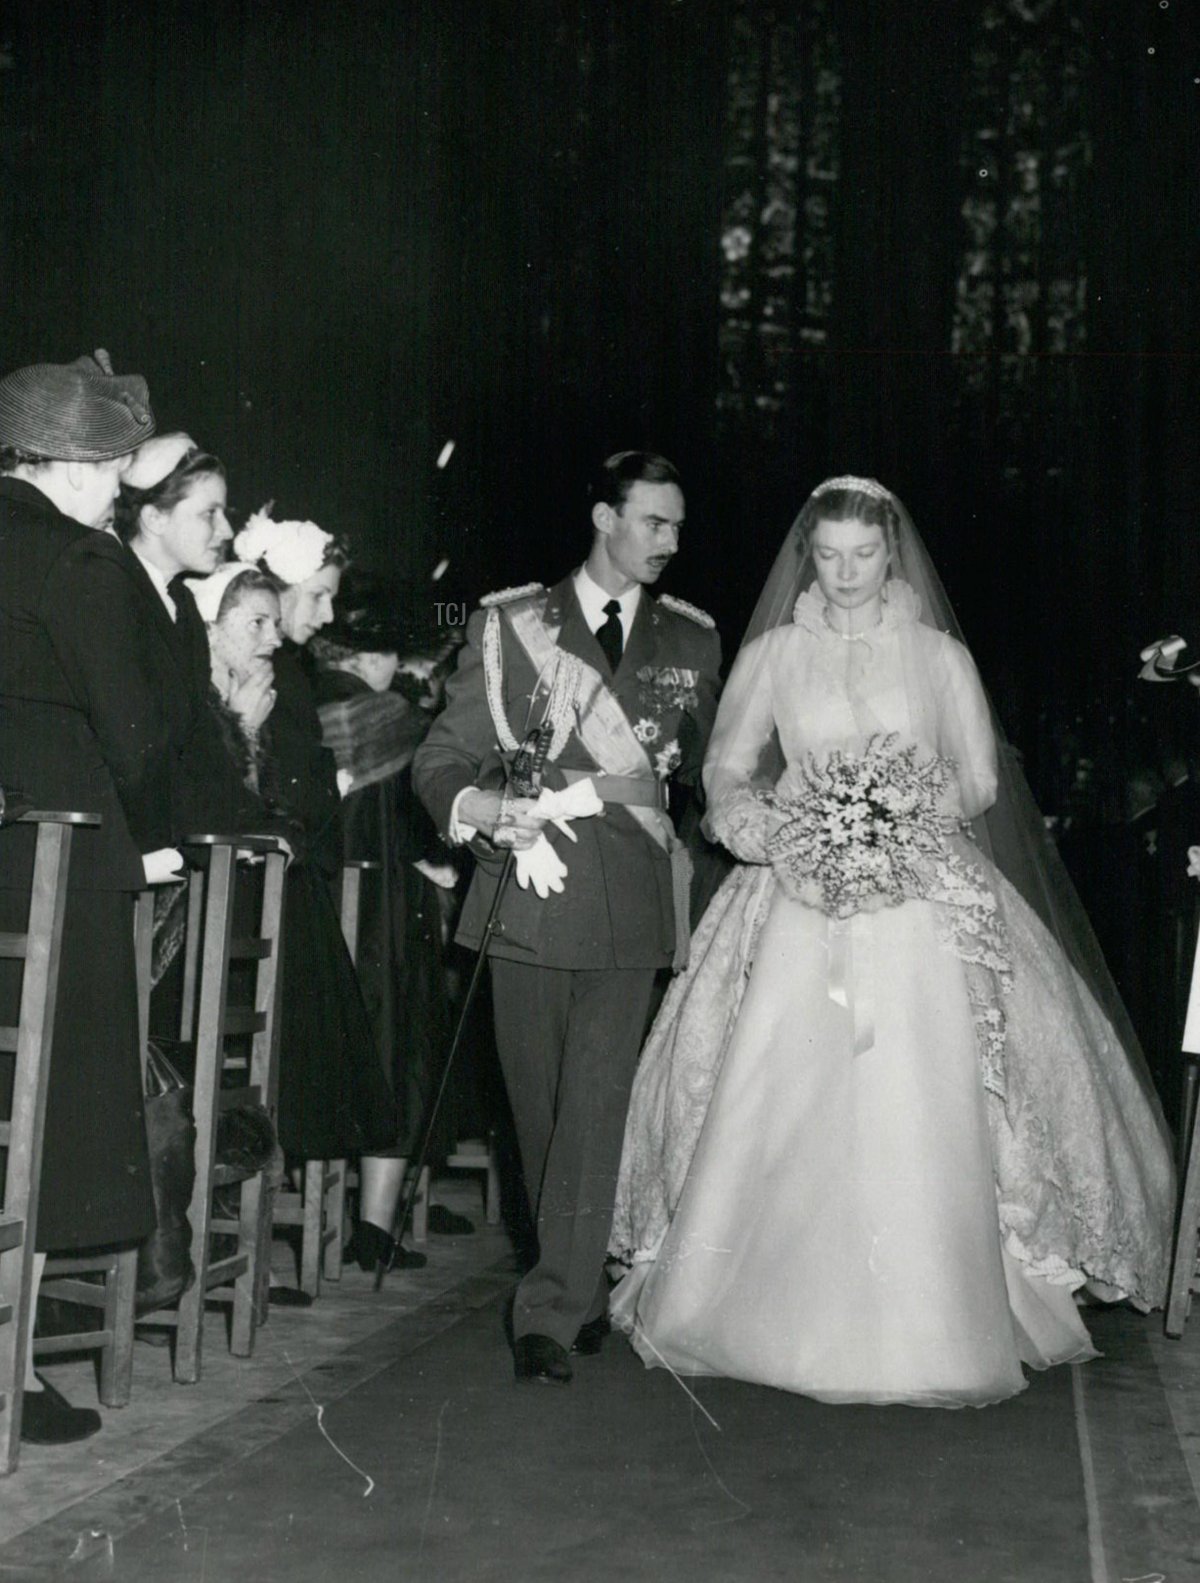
(143, 677)
(65, 727)
(53, 747)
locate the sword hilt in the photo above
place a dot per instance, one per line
(525, 778)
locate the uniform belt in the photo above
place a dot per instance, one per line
(635, 791)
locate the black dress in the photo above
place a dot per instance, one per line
(334, 1099)
(400, 955)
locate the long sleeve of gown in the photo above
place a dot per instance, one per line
(965, 730)
(737, 816)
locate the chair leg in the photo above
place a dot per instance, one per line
(1183, 1263)
(315, 1172)
(254, 1240)
(491, 1199)
(334, 1231)
(15, 1290)
(1187, 1112)
(262, 1258)
(116, 1359)
(189, 1328)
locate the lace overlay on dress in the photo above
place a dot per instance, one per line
(971, 927)
(682, 1060)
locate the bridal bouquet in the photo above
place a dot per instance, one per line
(863, 831)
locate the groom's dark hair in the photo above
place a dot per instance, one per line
(621, 471)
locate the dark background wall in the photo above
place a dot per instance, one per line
(334, 236)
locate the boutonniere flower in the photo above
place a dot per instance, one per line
(665, 687)
(647, 730)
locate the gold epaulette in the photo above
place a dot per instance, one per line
(506, 596)
(682, 608)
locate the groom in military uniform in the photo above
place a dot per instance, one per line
(595, 680)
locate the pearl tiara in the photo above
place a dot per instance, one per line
(860, 486)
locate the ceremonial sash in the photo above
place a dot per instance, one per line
(604, 729)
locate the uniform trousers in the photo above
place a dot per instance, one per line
(568, 1041)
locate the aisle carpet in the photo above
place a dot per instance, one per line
(619, 1476)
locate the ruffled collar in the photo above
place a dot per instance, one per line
(901, 608)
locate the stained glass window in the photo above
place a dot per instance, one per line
(781, 172)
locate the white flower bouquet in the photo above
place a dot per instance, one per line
(863, 831)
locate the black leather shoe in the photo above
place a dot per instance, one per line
(591, 1336)
(48, 1419)
(446, 1223)
(369, 1247)
(541, 1358)
(288, 1297)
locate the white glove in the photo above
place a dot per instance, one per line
(1164, 652)
(443, 875)
(540, 866)
(345, 780)
(577, 801)
(244, 854)
(164, 867)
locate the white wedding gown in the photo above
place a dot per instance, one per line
(851, 1200)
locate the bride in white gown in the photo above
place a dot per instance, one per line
(893, 1115)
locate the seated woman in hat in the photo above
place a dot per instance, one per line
(66, 433)
(333, 1098)
(373, 732)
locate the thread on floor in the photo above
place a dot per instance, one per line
(437, 1458)
(320, 1412)
(686, 1391)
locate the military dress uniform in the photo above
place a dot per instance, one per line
(572, 973)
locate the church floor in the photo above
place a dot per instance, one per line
(383, 1438)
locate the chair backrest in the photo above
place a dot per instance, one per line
(39, 946)
(211, 947)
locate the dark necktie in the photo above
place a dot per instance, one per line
(609, 634)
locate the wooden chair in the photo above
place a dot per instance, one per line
(240, 1278)
(108, 1280)
(319, 1208)
(479, 1154)
(40, 948)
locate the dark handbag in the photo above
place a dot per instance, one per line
(165, 1269)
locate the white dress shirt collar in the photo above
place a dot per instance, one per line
(160, 585)
(592, 600)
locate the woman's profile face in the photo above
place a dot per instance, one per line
(194, 533)
(308, 606)
(851, 561)
(247, 633)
